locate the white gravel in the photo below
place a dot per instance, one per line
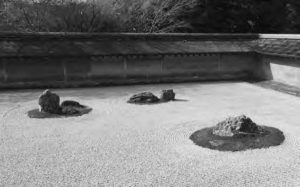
(121, 144)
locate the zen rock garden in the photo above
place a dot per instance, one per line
(50, 107)
(150, 98)
(233, 134)
(237, 134)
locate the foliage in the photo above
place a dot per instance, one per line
(58, 16)
(240, 16)
(156, 15)
(230, 16)
(293, 7)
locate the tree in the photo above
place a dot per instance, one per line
(270, 16)
(155, 15)
(151, 16)
(242, 16)
(59, 16)
(294, 15)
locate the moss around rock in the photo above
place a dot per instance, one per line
(237, 134)
(35, 113)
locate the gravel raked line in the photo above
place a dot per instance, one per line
(120, 144)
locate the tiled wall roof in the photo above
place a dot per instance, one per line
(109, 48)
(77, 44)
(285, 47)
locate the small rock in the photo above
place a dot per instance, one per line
(167, 95)
(145, 97)
(49, 102)
(241, 125)
(71, 107)
(70, 103)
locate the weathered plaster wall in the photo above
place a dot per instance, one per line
(284, 70)
(91, 71)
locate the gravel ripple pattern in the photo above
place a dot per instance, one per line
(119, 144)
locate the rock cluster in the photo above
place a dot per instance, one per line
(50, 103)
(235, 126)
(149, 98)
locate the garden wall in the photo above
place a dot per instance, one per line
(74, 60)
(284, 70)
(93, 71)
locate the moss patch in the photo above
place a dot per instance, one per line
(35, 113)
(205, 138)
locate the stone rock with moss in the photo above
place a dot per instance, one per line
(237, 134)
(236, 126)
(49, 102)
(70, 103)
(143, 98)
(167, 95)
(50, 107)
(70, 107)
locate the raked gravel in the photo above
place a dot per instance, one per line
(121, 144)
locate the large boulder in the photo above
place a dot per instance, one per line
(236, 126)
(49, 102)
(167, 95)
(143, 98)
